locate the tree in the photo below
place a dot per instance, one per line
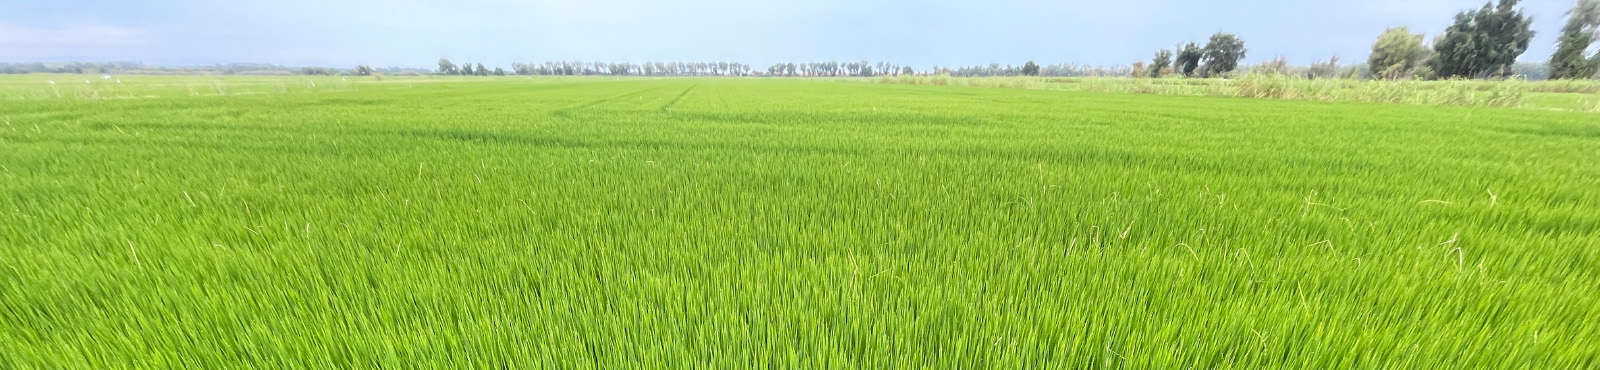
(1222, 54)
(446, 67)
(1162, 60)
(481, 71)
(907, 71)
(499, 72)
(363, 70)
(1030, 69)
(1138, 70)
(1189, 59)
(1483, 42)
(1397, 54)
(1581, 31)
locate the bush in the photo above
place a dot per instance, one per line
(1506, 93)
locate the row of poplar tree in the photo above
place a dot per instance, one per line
(1481, 43)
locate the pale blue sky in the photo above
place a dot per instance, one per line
(342, 33)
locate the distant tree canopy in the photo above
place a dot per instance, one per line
(836, 69)
(1030, 69)
(1397, 54)
(1052, 70)
(1188, 59)
(1222, 54)
(1327, 69)
(1162, 60)
(1483, 42)
(1276, 66)
(446, 67)
(1580, 33)
(317, 71)
(631, 69)
(363, 70)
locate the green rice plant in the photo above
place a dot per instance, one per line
(601, 223)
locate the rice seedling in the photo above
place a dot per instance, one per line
(780, 223)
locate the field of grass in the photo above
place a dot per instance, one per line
(773, 223)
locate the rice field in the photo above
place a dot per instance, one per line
(587, 223)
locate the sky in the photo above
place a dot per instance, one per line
(922, 34)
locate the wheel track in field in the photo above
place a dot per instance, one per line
(568, 111)
(668, 107)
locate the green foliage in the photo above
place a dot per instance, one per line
(1162, 60)
(1188, 59)
(1397, 54)
(1499, 93)
(1484, 42)
(590, 223)
(1222, 54)
(1276, 66)
(1030, 69)
(1569, 61)
(317, 71)
(447, 68)
(1325, 69)
(1280, 86)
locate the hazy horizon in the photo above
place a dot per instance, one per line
(498, 32)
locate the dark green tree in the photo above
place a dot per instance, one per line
(1483, 42)
(1583, 25)
(1030, 69)
(481, 71)
(1188, 59)
(1162, 61)
(1222, 54)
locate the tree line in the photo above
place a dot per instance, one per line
(1485, 43)
(838, 69)
(1033, 69)
(1220, 55)
(1480, 43)
(574, 68)
(446, 67)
